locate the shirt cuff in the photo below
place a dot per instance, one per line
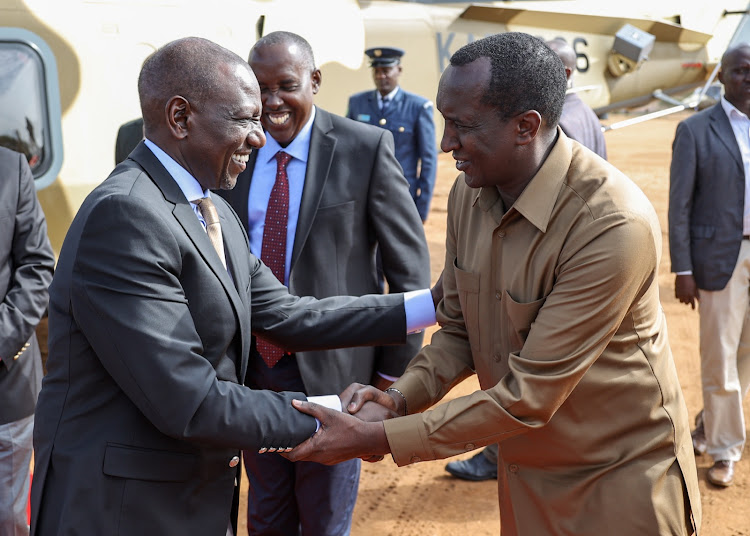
(329, 401)
(420, 310)
(686, 272)
(387, 377)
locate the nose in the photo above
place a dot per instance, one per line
(256, 138)
(272, 100)
(449, 141)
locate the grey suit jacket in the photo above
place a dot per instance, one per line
(706, 198)
(142, 413)
(26, 264)
(355, 198)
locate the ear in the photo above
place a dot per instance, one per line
(317, 79)
(527, 126)
(178, 111)
(721, 76)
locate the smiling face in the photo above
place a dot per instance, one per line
(386, 78)
(288, 83)
(481, 143)
(735, 75)
(224, 129)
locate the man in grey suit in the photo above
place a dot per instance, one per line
(143, 411)
(709, 243)
(26, 264)
(347, 196)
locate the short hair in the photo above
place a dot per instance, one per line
(287, 38)
(525, 75)
(731, 51)
(190, 67)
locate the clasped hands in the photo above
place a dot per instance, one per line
(355, 432)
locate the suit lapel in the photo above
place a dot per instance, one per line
(189, 222)
(723, 129)
(372, 103)
(322, 146)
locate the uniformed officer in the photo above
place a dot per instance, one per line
(408, 116)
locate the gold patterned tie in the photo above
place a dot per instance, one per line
(213, 227)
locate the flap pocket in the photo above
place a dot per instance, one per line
(467, 285)
(127, 461)
(521, 316)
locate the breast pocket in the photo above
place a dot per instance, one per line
(467, 285)
(520, 317)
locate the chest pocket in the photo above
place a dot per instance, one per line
(467, 285)
(520, 317)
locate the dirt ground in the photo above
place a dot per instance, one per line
(423, 500)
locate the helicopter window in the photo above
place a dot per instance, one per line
(29, 102)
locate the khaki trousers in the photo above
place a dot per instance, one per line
(725, 360)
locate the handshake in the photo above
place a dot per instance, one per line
(355, 432)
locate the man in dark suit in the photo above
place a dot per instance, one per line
(408, 116)
(26, 264)
(347, 195)
(143, 411)
(709, 244)
(129, 135)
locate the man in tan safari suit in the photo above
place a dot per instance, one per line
(552, 298)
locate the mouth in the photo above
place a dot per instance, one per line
(240, 159)
(461, 164)
(278, 118)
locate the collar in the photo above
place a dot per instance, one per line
(188, 184)
(731, 110)
(537, 201)
(299, 147)
(390, 95)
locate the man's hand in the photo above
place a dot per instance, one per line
(686, 290)
(354, 397)
(340, 437)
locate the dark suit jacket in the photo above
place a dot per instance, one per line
(355, 197)
(410, 119)
(143, 412)
(706, 198)
(26, 264)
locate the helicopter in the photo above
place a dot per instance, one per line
(69, 68)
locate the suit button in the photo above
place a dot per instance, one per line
(513, 468)
(470, 446)
(497, 296)
(415, 459)
(234, 461)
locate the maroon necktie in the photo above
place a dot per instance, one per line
(273, 250)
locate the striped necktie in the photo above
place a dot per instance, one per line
(213, 227)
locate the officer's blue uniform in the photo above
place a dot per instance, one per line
(410, 118)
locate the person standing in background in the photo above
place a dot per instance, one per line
(26, 266)
(129, 135)
(580, 123)
(409, 117)
(345, 195)
(709, 245)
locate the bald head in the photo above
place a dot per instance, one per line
(566, 53)
(735, 75)
(191, 67)
(296, 44)
(731, 54)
